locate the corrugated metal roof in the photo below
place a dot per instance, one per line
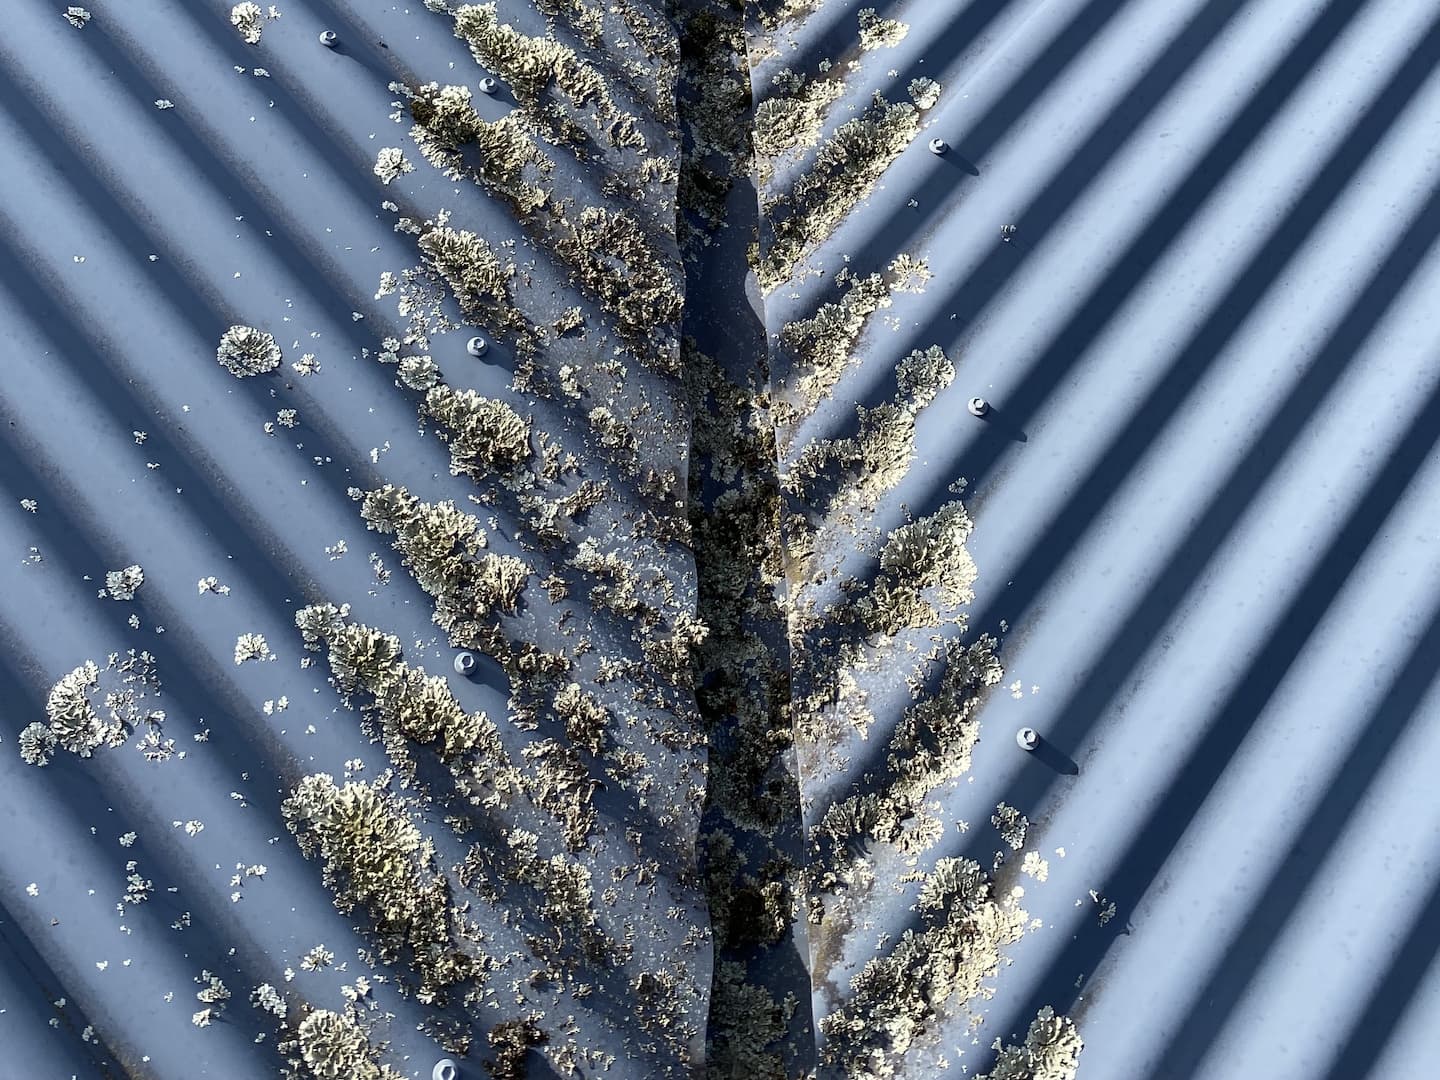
(1196, 512)
(1199, 507)
(168, 180)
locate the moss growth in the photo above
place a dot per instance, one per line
(510, 1041)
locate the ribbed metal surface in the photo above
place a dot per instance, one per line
(1202, 507)
(132, 236)
(1203, 503)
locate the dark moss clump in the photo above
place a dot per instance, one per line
(510, 1041)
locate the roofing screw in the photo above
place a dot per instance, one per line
(488, 85)
(465, 664)
(445, 1069)
(1027, 738)
(1007, 233)
(938, 145)
(978, 406)
(477, 346)
(329, 38)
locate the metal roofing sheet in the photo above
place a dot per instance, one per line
(167, 180)
(1197, 513)
(1200, 506)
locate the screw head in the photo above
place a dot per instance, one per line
(1027, 738)
(465, 664)
(445, 1069)
(477, 346)
(329, 38)
(1007, 232)
(978, 406)
(938, 145)
(489, 84)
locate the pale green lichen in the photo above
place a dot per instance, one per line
(510, 1041)
(1051, 1051)
(561, 785)
(390, 164)
(76, 725)
(614, 435)
(123, 584)
(72, 717)
(908, 274)
(251, 647)
(244, 350)
(441, 545)
(791, 117)
(37, 744)
(822, 344)
(898, 998)
(477, 278)
(533, 65)
(1011, 824)
(861, 468)
(587, 722)
(925, 93)
(486, 436)
(453, 137)
(926, 554)
(407, 703)
(844, 171)
(528, 64)
(612, 257)
(249, 20)
(333, 1046)
(930, 746)
(880, 33)
(375, 858)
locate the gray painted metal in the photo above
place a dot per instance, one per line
(1204, 505)
(131, 237)
(1203, 500)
